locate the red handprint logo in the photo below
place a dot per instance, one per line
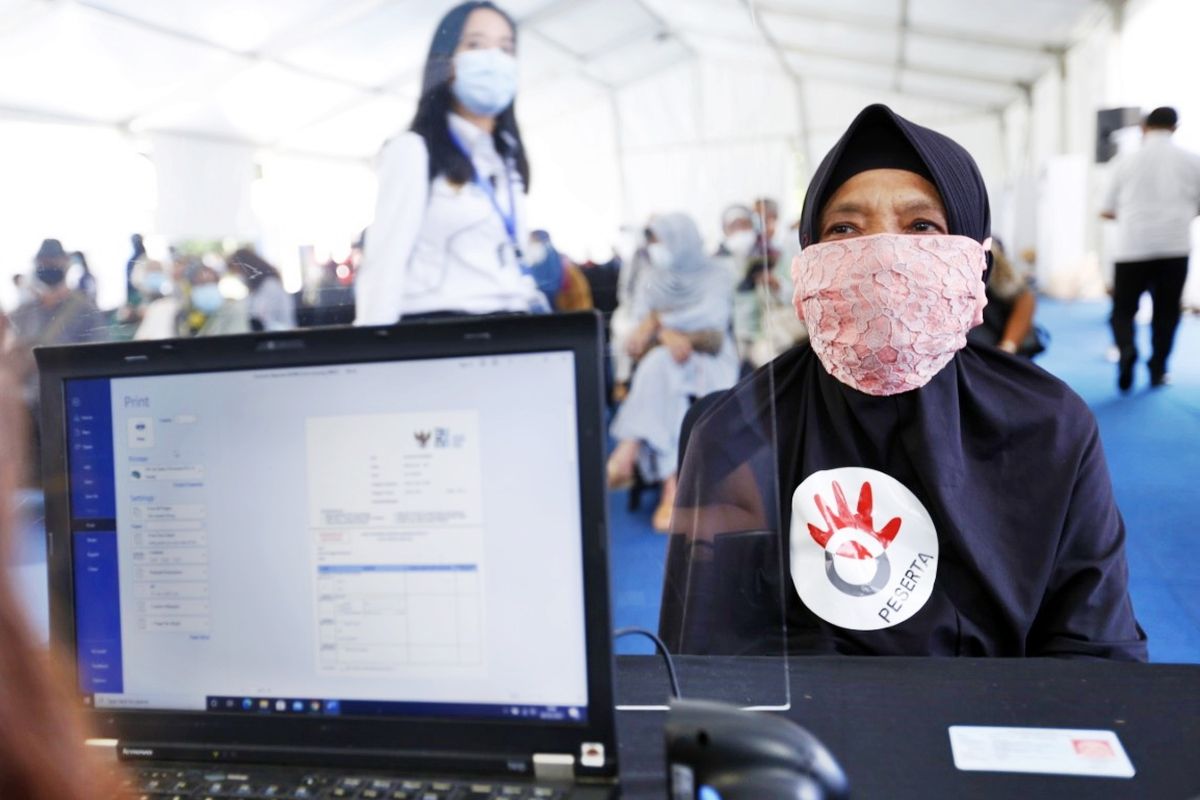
(856, 559)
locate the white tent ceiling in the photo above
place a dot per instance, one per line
(257, 120)
(336, 77)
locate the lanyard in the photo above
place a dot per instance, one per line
(509, 219)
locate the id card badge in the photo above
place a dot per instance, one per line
(1047, 751)
(509, 256)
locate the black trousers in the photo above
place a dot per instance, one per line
(1164, 279)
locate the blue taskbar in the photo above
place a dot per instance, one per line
(293, 706)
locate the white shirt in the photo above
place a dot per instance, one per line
(435, 246)
(273, 306)
(159, 320)
(1154, 194)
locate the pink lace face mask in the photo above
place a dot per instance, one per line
(885, 313)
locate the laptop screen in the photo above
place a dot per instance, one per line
(385, 538)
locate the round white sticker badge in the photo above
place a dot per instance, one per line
(867, 566)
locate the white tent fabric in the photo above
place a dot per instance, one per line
(258, 119)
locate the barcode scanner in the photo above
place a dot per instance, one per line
(719, 752)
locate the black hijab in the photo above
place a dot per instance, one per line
(879, 138)
(1005, 459)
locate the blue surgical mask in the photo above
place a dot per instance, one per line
(485, 81)
(154, 283)
(207, 297)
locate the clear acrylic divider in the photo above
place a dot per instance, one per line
(725, 580)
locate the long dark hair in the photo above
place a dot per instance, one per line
(437, 100)
(254, 268)
(82, 259)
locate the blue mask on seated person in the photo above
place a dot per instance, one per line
(207, 297)
(154, 283)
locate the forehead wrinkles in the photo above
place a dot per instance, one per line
(871, 201)
(916, 205)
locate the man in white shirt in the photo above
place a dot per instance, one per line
(1154, 195)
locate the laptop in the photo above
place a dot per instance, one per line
(342, 562)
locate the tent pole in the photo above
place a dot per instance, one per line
(955, 35)
(802, 121)
(619, 142)
(1002, 132)
(1063, 111)
(1027, 155)
(791, 72)
(1114, 84)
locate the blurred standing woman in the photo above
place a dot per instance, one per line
(449, 218)
(271, 308)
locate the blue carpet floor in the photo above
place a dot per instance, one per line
(1152, 441)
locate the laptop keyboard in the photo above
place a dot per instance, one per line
(168, 784)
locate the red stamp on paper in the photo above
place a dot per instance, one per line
(1093, 748)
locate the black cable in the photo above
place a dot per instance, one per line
(662, 649)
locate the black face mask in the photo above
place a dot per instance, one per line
(50, 275)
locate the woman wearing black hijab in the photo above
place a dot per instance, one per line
(889, 489)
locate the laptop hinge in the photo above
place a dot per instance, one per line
(554, 767)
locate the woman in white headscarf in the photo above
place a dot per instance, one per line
(685, 351)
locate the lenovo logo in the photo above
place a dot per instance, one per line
(141, 752)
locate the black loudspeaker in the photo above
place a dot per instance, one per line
(1108, 122)
(719, 752)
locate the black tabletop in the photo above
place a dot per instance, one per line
(886, 719)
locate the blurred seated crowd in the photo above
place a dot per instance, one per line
(683, 320)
